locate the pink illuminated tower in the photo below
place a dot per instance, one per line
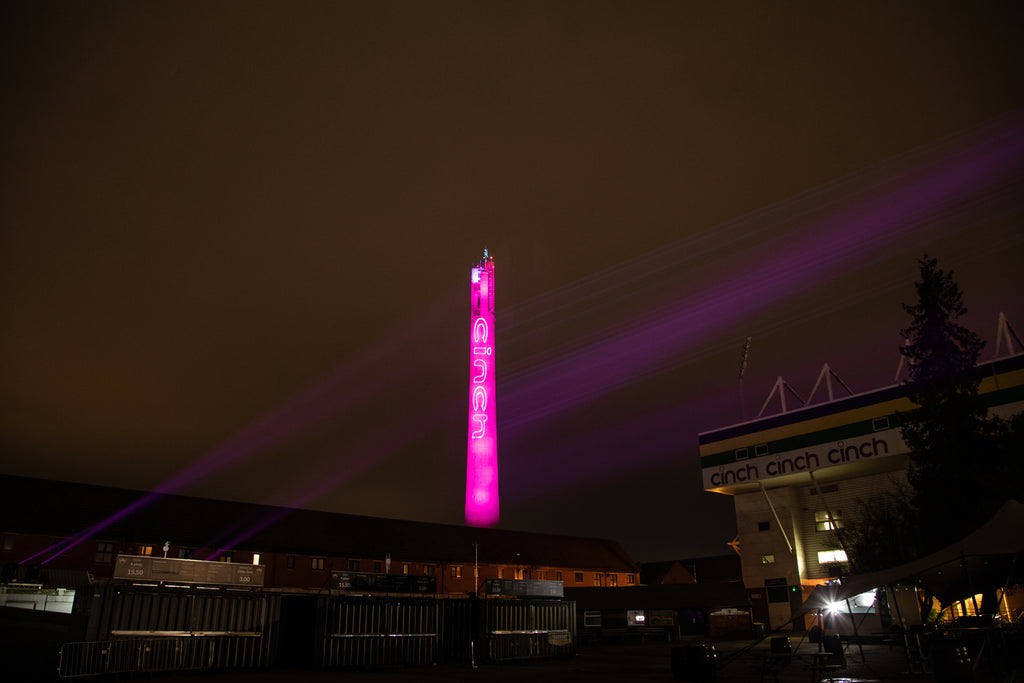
(482, 441)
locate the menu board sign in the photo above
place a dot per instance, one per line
(382, 583)
(198, 572)
(525, 589)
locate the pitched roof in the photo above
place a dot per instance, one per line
(63, 509)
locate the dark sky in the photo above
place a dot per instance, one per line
(236, 238)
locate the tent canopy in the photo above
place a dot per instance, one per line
(987, 557)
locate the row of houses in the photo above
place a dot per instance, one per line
(298, 549)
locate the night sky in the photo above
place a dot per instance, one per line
(235, 238)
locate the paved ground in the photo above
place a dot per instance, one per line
(738, 661)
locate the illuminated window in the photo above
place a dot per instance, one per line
(630, 579)
(613, 580)
(255, 558)
(456, 571)
(289, 562)
(104, 552)
(828, 556)
(501, 572)
(353, 565)
(428, 570)
(579, 577)
(318, 563)
(145, 550)
(597, 579)
(822, 522)
(768, 558)
(405, 567)
(519, 573)
(558, 576)
(226, 557)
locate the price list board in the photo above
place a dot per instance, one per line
(192, 572)
(382, 583)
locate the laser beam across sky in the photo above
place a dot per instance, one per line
(233, 265)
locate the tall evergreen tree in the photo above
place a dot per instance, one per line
(952, 450)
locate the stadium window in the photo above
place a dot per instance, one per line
(289, 562)
(145, 550)
(353, 565)
(761, 449)
(405, 567)
(318, 563)
(226, 557)
(741, 453)
(456, 571)
(830, 556)
(613, 580)
(9, 541)
(104, 552)
(184, 553)
(630, 579)
(822, 522)
(377, 566)
(428, 570)
(597, 579)
(558, 576)
(579, 577)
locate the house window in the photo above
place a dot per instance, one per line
(579, 577)
(318, 563)
(405, 567)
(764, 526)
(456, 571)
(822, 522)
(145, 550)
(289, 562)
(630, 579)
(829, 556)
(353, 565)
(613, 580)
(104, 552)
(768, 558)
